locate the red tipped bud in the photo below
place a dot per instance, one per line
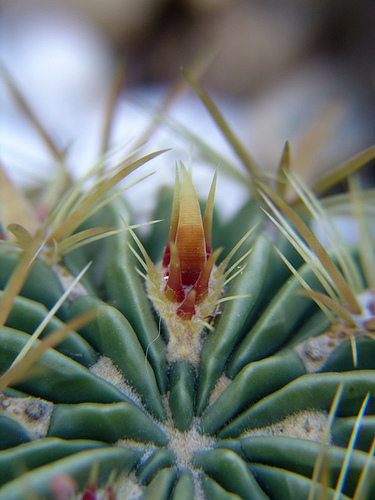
(188, 247)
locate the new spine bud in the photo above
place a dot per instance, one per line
(187, 291)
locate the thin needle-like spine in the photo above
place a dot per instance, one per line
(316, 210)
(350, 448)
(346, 293)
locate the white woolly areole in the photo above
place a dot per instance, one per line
(306, 424)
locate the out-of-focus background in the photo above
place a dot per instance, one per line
(278, 69)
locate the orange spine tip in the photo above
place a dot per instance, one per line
(208, 214)
(190, 240)
(167, 255)
(174, 220)
(173, 287)
(201, 285)
(187, 308)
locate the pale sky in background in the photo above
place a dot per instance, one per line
(62, 64)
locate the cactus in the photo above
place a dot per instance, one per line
(237, 362)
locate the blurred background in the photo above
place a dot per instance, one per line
(278, 69)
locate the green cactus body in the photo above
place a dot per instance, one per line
(197, 378)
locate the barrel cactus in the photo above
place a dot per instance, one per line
(207, 359)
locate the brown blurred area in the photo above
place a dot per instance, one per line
(257, 43)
